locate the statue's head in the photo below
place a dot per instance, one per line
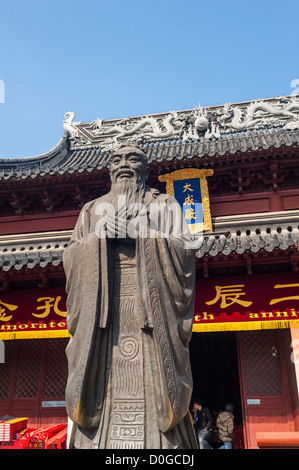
(129, 164)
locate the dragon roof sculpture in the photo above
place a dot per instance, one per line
(195, 133)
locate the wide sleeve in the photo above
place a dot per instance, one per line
(81, 266)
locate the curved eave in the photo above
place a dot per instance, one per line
(20, 168)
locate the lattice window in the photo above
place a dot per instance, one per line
(28, 368)
(55, 369)
(261, 363)
(5, 370)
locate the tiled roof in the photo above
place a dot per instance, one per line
(209, 132)
(17, 251)
(252, 233)
(247, 233)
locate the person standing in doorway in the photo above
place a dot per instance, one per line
(225, 425)
(202, 419)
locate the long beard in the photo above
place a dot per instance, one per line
(127, 194)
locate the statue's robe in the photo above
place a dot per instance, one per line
(164, 297)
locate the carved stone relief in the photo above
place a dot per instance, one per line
(190, 125)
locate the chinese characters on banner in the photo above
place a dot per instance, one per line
(190, 188)
(247, 302)
(221, 303)
(188, 195)
(34, 313)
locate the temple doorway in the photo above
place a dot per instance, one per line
(214, 363)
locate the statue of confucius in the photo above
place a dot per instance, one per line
(130, 303)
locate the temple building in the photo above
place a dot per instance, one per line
(234, 168)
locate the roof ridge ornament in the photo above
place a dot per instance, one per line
(71, 128)
(195, 124)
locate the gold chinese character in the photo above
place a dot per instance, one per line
(187, 187)
(3, 312)
(189, 200)
(229, 295)
(279, 286)
(48, 305)
(189, 214)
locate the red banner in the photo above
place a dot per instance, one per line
(221, 303)
(247, 302)
(33, 313)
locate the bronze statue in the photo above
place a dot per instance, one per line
(130, 284)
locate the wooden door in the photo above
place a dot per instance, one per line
(33, 379)
(264, 386)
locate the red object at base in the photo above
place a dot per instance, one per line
(41, 437)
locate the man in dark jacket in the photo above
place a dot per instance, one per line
(202, 418)
(225, 425)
